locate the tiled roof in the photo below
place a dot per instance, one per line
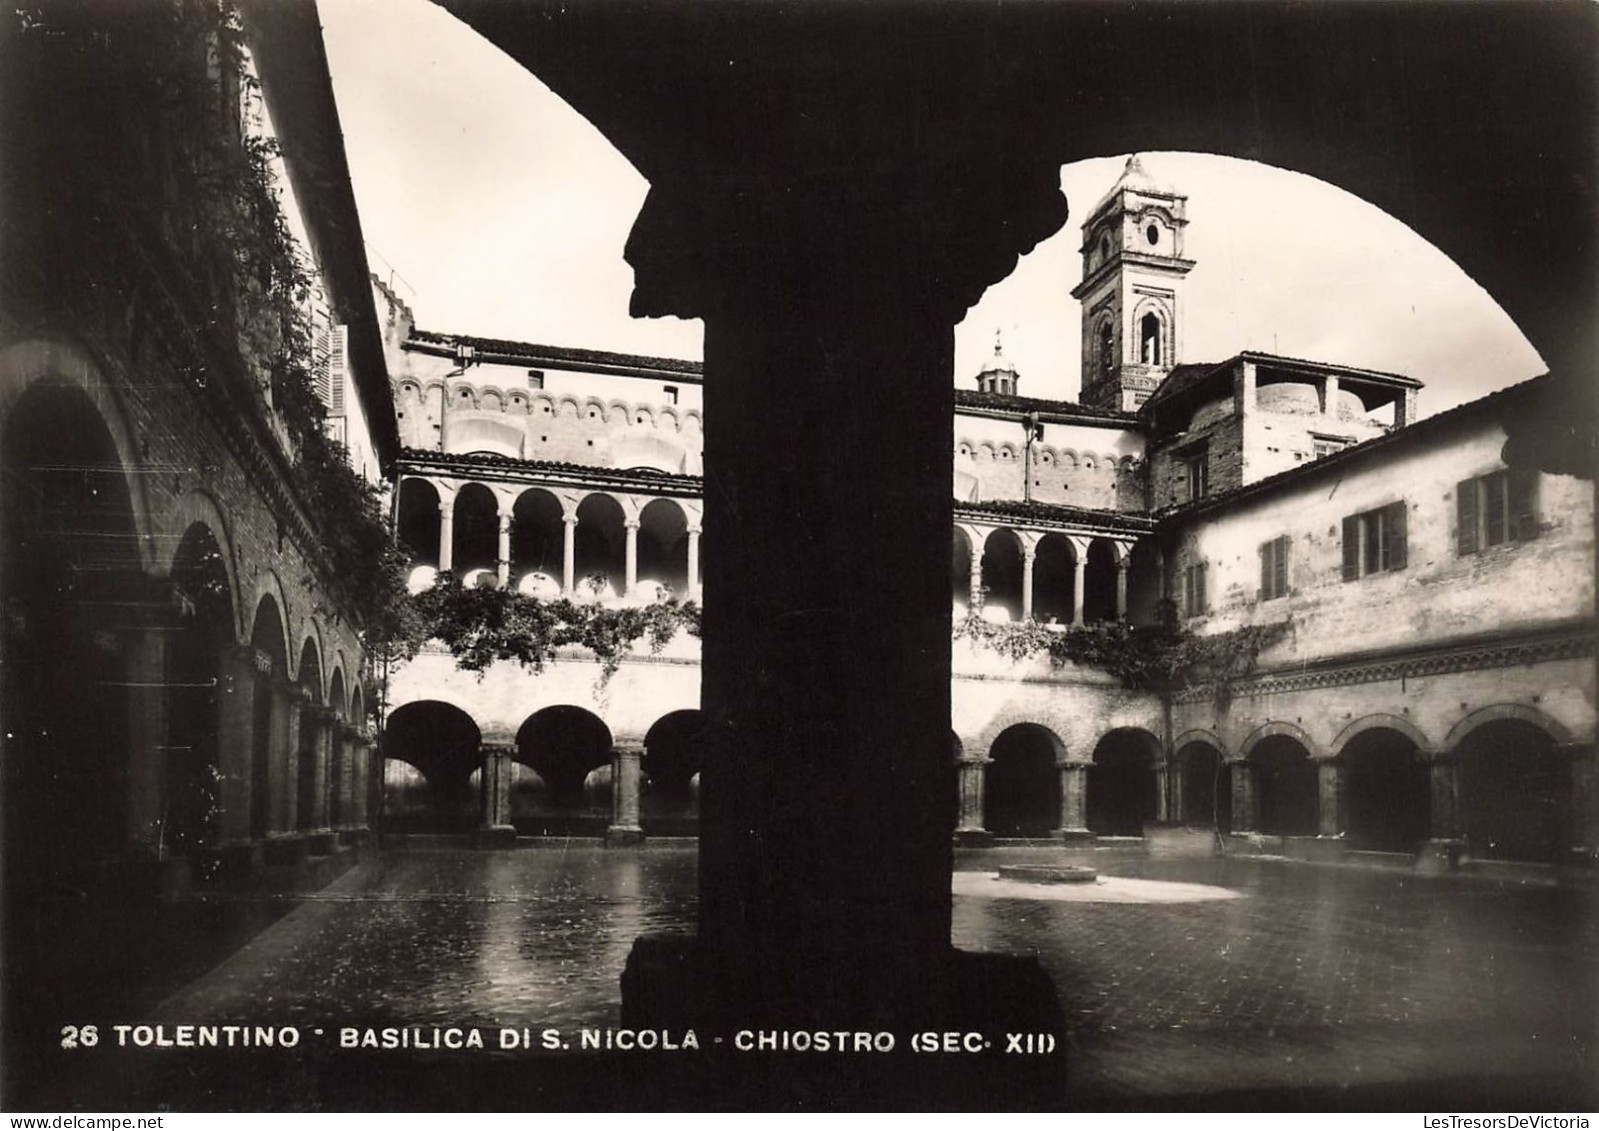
(534, 352)
(1001, 402)
(489, 460)
(1054, 512)
(1498, 401)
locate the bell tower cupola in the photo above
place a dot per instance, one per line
(999, 375)
(1131, 293)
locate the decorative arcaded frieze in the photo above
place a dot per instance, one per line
(1474, 657)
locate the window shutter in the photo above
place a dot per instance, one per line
(1351, 548)
(1199, 574)
(1466, 516)
(1493, 509)
(1523, 503)
(1267, 550)
(1280, 568)
(1394, 520)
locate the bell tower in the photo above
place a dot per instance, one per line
(1133, 269)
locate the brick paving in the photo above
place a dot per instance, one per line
(1316, 980)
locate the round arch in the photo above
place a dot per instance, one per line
(1516, 795)
(1397, 723)
(1387, 786)
(673, 755)
(1205, 796)
(1002, 573)
(564, 745)
(663, 544)
(1501, 711)
(431, 750)
(1021, 795)
(269, 588)
(418, 519)
(199, 507)
(1275, 730)
(1287, 790)
(1121, 796)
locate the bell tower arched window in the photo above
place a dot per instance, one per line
(1150, 346)
(1107, 349)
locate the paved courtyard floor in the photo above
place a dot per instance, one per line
(1301, 983)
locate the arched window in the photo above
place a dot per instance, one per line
(1149, 343)
(1107, 348)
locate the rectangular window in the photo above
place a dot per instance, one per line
(1327, 445)
(1274, 568)
(671, 393)
(1194, 603)
(535, 379)
(1195, 463)
(1374, 541)
(1496, 508)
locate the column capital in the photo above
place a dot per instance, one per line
(694, 531)
(505, 749)
(249, 656)
(973, 760)
(631, 523)
(569, 519)
(505, 520)
(627, 746)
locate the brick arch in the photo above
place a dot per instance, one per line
(974, 535)
(985, 739)
(1068, 459)
(269, 584)
(198, 506)
(1269, 730)
(569, 399)
(1387, 722)
(1047, 454)
(313, 636)
(594, 404)
(617, 405)
(694, 415)
(1519, 711)
(541, 401)
(1200, 734)
(669, 412)
(24, 364)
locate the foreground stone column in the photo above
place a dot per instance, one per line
(1073, 800)
(1029, 552)
(1079, 579)
(630, 552)
(235, 751)
(569, 555)
(1167, 776)
(145, 652)
(447, 534)
(1330, 796)
(626, 757)
(1441, 851)
(494, 795)
(284, 845)
(693, 563)
(973, 771)
(1245, 818)
(502, 564)
(325, 720)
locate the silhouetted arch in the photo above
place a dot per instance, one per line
(444, 746)
(1121, 782)
(1021, 797)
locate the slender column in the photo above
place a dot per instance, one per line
(1330, 797)
(1243, 780)
(631, 527)
(975, 593)
(285, 754)
(1121, 586)
(1328, 388)
(1444, 779)
(626, 757)
(344, 782)
(446, 534)
(1073, 799)
(569, 556)
(1166, 773)
(360, 786)
(495, 795)
(1583, 826)
(145, 652)
(973, 771)
(503, 565)
(693, 562)
(236, 741)
(1029, 551)
(1079, 576)
(324, 720)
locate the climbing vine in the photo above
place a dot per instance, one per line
(1143, 657)
(483, 625)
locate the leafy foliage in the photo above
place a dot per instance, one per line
(1149, 658)
(482, 625)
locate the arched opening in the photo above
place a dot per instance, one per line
(192, 782)
(601, 548)
(1206, 798)
(477, 530)
(1286, 788)
(308, 751)
(538, 535)
(1107, 349)
(566, 746)
(431, 750)
(1099, 584)
(960, 571)
(70, 551)
(338, 783)
(663, 545)
(1143, 578)
(1021, 797)
(672, 756)
(1515, 792)
(1121, 783)
(266, 637)
(1002, 576)
(417, 521)
(1054, 577)
(1387, 791)
(1150, 348)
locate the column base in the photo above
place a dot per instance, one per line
(623, 836)
(1439, 856)
(1073, 835)
(495, 836)
(973, 838)
(931, 1031)
(321, 842)
(285, 850)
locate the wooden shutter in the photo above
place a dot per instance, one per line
(1199, 585)
(1393, 517)
(1466, 516)
(1279, 567)
(1493, 509)
(1523, 503)
(1267, 550)
(1352, 547)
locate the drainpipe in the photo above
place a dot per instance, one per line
(1035, 431)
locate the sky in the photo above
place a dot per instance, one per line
(498, 211)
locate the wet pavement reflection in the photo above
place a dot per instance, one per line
(1313, 977)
